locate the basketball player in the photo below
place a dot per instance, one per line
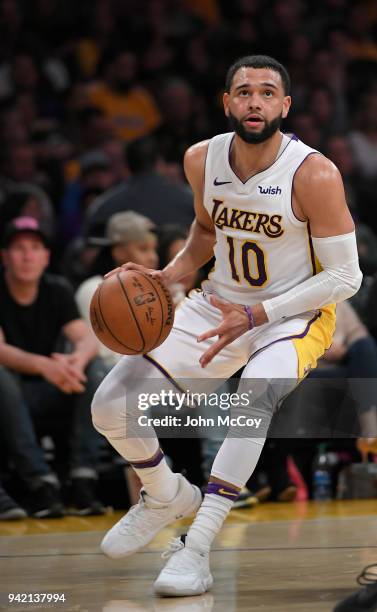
(273, 212)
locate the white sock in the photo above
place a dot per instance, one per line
(208, 522)
(159, 481)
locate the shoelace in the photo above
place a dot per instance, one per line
(174, 545)
(367, 577)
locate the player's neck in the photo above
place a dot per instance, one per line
(249, 159)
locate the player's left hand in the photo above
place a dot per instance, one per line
(235, 323)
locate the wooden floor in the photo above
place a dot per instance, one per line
(280, 558)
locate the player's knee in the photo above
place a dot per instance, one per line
(108, 413)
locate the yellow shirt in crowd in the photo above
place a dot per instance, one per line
(134, 114)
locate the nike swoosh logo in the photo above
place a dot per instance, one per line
(223, 492)
(217, 183)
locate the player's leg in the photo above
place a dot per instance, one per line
(270, 375)
(165, 496)
(116, 415)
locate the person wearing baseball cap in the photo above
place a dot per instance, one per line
(129, 236)
(39, 386)
(23, 225)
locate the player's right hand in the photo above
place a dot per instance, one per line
(133, 266)
(63, 376)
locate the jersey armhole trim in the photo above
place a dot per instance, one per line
(293, 218)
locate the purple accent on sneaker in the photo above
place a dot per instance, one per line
(140, 465)
(214, 488)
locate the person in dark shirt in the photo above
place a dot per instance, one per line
(45, 390)
(146, 192)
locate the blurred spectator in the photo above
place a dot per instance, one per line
(30, 202)
(364, 138)
(41, 82)
(371, 308)
(145, 191)
(338, 149)
(129, 237)
(305, 127)
(367, 247)
(362, 45)
(19, 165)
(13, 127)
(326, 71)
(130, 107)
(321, 103)
(96, 176)
(91, 127)
(39, 485)
(9, 509)
(36, 311)
(11, 26)
(184, 116)
(102, 31)
(114, 149)
(353, 356)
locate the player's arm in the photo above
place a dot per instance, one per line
(200, 242)
(319, 198)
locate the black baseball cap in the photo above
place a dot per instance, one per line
(22, 225)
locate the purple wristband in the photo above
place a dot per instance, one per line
(247, 309)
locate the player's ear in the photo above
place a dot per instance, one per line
(226, 104)
(286, 106)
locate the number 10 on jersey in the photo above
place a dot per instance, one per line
(249, 258)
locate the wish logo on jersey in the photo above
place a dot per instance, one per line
(269, 190)
(246, 220)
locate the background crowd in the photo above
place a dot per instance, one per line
(99, 99)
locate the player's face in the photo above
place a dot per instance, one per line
(26, 259)
(256, 104)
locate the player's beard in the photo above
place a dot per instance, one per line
(270, 128)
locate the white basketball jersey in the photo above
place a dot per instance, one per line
(262, 249)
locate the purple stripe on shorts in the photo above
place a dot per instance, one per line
(214, 488)
(140, 465)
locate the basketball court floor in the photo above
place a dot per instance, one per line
(299, 557)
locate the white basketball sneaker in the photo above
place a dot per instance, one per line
(186, 572)
(144, 520)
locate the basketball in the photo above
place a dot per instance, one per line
(131, 312)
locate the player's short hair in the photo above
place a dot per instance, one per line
(259, 61)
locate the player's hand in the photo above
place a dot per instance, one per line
(133, 266)
(62, 375)
(235, 323)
